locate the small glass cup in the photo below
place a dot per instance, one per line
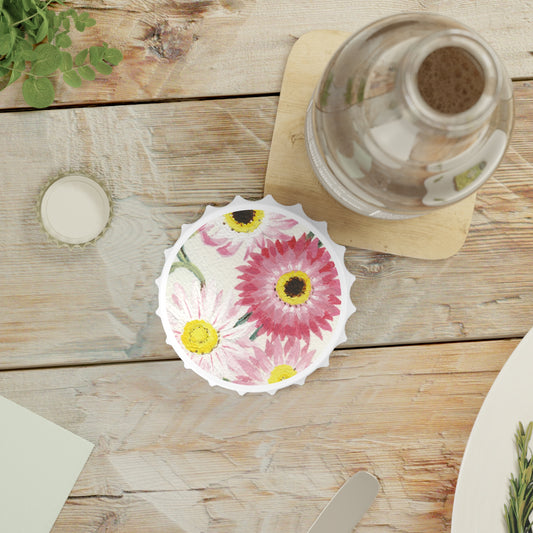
(412, 113)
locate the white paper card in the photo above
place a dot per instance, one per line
(39, 464)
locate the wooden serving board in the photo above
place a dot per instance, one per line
(290, 178)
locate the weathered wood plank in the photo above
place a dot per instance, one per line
(163, 164)
(174, 455)
(236, 47)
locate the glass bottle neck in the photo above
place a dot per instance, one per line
(466, 121)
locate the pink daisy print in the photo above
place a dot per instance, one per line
(291, 288)
(206, 325)
(246, 228)
(276, 363)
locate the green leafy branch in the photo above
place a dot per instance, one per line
(33, 39)
(520, 506)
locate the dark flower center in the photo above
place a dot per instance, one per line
(245, 221)
(294, 287)
(243, 217)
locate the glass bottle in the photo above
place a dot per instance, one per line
(412, 113)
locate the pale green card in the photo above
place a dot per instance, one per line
(39, 464)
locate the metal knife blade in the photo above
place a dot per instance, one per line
(348, 506)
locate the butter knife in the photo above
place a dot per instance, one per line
(348, 506)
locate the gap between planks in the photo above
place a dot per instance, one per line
(339, 349)
(147, 101)
(200, 98)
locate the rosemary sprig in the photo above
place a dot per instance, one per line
(520, 507)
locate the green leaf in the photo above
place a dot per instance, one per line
(51, 31)
(80, 26)
(38, 92)
(32, 25)
(102, 67)
(28, 55)
(66, 62)
(48, 60)
(254, 335)
(63, 40)
(71, 78)
(4, 25)
(81, 57)
(22, 44)
(243, 319)
(54, 19)
(27, 4)
(18, 68)
(113, 56)
(43, 29)
(96, 54)
(87, 73)
(6, 44)
(66, 23)
(90, 22)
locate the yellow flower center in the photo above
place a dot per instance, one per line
(199, 336)
(281, 372)
(294, 287)
(244, 221)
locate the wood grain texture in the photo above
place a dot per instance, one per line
(192, 48)
(163, 164)
(58, 305)
(174, 455)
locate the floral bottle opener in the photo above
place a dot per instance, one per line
(254, 296)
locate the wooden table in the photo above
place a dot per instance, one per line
(187, 120)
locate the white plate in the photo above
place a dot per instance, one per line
(490, 456)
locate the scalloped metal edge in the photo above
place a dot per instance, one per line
(44, 188)
(338, 250)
